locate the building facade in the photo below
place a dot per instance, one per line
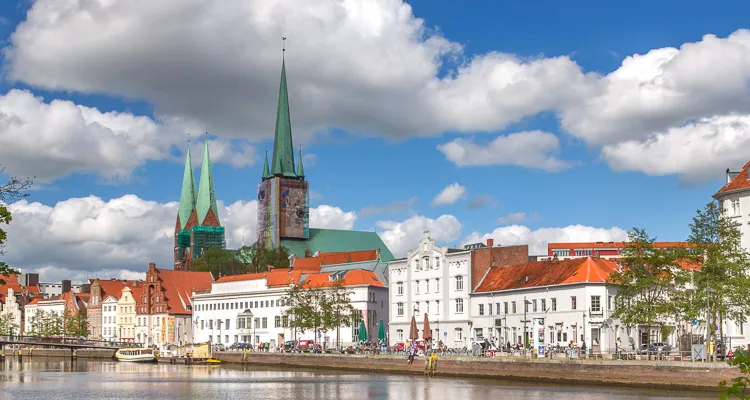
(10, 306)
(101, 289)
(109, 319)
(437, 281)
(734, 199)
(553, 303)
(126, 315)
(604, 250)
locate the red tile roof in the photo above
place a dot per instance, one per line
(179, 286)
(609, 245)
(241, 277)
(33, 290)
(355, 277)
(546, 273)
(314, 263)
(11, 282)
(740, 181)
(113, 287)
(274, 278)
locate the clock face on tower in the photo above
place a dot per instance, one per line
(261, 194)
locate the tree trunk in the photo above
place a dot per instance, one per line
(648, 340)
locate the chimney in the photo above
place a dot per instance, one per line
(490, 242)
(270, 268)
(32, 280)
(731, 175)
(307, 252)
(597, 254)
(86, 288)
(65, 285)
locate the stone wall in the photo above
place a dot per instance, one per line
(654, 374)
(483, 259)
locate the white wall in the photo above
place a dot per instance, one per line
(12, 307)
(57, 306)
(109, 319)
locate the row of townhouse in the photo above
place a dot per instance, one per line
(251, 308)
(471, 295)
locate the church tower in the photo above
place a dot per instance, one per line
(283, 201)
(198, 227)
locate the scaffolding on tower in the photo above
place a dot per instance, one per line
(207, 237)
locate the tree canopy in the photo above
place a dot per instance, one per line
(13, 189)
(320, 309)
(247, 260)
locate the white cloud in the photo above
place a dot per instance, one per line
(55, 139)
(328, 217)
(359, 65)
(449, 195)
(697, 151)
(512, 217)
(400, 237)
(90, 236)
(538, 239)
(532, 149)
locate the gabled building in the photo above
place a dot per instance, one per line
(284, 201)
(198, 226)
(100, 290)
(366, 260)
(12, 300)
(126, 315)
(734, 199)
(437, 281)
(164, 307)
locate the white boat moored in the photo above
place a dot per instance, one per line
(136, 355)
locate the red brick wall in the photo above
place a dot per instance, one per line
(484, 258)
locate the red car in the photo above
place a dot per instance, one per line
(399, 346)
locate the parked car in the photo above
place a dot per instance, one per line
(399, 346)
(661, 348)
(239, 346)
(289, 345)
(219, 347)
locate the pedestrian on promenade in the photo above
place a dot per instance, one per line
(583, 348)
(618, 347)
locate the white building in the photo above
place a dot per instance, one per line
(126, 316)
(109, 319)
(37, 305)
(552, 303)
(734, 199)
(249, 308)
(438, 281)
(11, 307)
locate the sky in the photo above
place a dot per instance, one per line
(528, 122)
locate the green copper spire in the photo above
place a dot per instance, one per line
(266, 170)
(283, 150)
(300, 169)
(206, 195)
(187, 197)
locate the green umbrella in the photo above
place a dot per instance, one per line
(362, 332)
(381, 331)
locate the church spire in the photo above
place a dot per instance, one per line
(187, 197)
(300, 169)
(266, 170)
(206, 195)
(283, 149)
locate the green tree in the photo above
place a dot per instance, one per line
(262, 257)
(75, 325)
(13, 189)
(219, 262)
(8, 325)
(737, 387)
(298, 309)
(645, 282)
(338, 309)
(721, 287)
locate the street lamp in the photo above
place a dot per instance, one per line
(708, 320)
(525, 321)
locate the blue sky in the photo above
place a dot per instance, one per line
(374, 160)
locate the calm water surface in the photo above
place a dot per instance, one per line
(66, 380)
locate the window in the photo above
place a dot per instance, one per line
(587, 252)
(596, 304)
(416, 308)
(554, 304)
(560, 252)
(544, 305)
(437, 285)
(227, 324)
(735, 206)
(427, 286)
(459, 283)
(459, 306)
(609, 303)
(265, 322)
(246, 307)
(210, 324)
(506, 307)
(533, 304)
(497, 308)
(426, 263)
(400, 334)
(437, 262)
(400, 308)
(459, 334)
(489, 309)
(573, 305)
(277, 322)
(427, 307)
(579, 252)
(481, 309)
(416, 287)
(400, 288)
(437, 307)
(257, 323)
(513, 306)
(285, 321)
(526, 305)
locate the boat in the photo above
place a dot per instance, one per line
(136, 355)
(213, 361)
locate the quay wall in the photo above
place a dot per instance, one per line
(650, 374)
(59, 352)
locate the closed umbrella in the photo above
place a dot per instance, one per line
(413, 332)
(427, 333)
(362, 332)
(381, 331)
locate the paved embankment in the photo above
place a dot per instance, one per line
(79, 353)
(653, 374)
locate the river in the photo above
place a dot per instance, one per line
(50, 379)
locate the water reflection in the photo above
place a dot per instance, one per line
(68, 380)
